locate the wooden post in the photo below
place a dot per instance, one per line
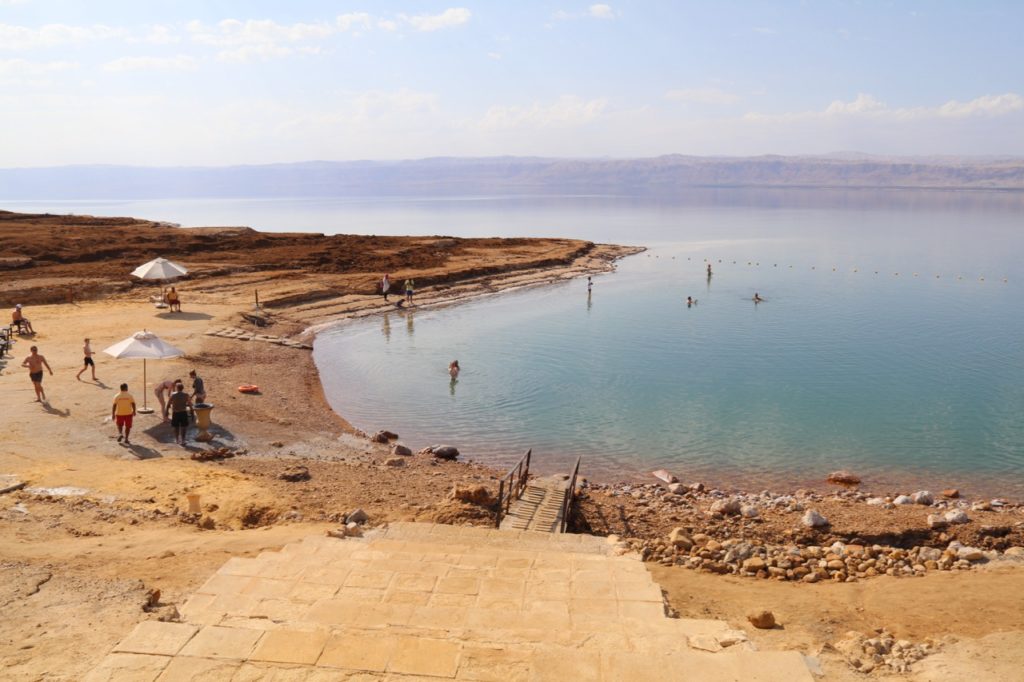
(257, 291)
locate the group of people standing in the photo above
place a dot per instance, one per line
(176, 404)
(385, 287)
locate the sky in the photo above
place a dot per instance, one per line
(220, 83)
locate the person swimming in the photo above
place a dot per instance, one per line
(757, 297)
(690, 301)
(454, 369)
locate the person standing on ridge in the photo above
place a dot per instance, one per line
(409, 287)
(122, 412)
(89, 362)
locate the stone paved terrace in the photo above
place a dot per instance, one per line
(435, 602)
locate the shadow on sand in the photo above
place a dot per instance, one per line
(167, 315)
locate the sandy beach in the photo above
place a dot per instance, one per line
(98, 526)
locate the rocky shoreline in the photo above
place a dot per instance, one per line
(790, 537)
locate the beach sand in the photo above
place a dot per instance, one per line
(78, 570)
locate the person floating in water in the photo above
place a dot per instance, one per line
(453, 369)
(690, 301)
(590, 285)
(757, 297)
(709, 269)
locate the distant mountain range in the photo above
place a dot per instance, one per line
(659, 176)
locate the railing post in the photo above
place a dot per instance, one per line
(501, 494)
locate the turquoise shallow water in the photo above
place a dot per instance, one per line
(889, 343)
(910, 381)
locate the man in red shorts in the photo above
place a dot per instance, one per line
(122, 412)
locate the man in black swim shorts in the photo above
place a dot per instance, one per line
(35, 363)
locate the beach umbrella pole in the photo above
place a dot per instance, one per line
(144, 410)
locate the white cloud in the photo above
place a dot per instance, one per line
(867, 106)
(23, 67)
(568, 110)
(451, 17)
(861, 105)
(158, 34)
(357, 20)
(496, 56)
(988, 105)
(11, 2)
(178, 63)
(232, 32)
(53, 35)
(387, 25)
(248, 53)
(764, 30)
(701, 96)
(598, 11)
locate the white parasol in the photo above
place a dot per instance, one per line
(160, 268)
(145, 345)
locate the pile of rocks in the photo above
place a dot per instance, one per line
(882, 651)
(838, 562)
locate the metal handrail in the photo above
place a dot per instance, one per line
(516, 478)
(570, 497)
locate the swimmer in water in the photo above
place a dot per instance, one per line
(709, 269)
(690, 300)
(757, 297)
(453, 369)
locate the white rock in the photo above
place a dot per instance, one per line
(957, 516)
(923, 497)
(970, 554)
(936, 521)
(1014, 551)
(903, 499)
(749, 511)
(876, 501)
(929, 554)
(813, 519)
(729, 506)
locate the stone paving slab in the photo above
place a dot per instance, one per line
(434, 602)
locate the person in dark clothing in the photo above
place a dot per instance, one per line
(178, 404)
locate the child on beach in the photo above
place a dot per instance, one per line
(409, 285)
(89, 363)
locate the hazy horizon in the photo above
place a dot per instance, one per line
(234, 83)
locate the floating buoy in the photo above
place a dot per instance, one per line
(833, 269)
(855, 269)
(981, 279)
(248, 388)
(915, 274)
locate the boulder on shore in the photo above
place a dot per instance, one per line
(399, 449)
(476, 494)
(762, 619)
(844, 477)
(449, 452)
(813, 519)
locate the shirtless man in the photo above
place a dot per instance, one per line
(162, 390)
(89, 362)
(35, 363)
(19, 320)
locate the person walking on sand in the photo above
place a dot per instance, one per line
(164, 389)
(177, 405)
(409, 287)
(89, 363)
(19, 320)
(122, 412)
(385, 285)
(35, 363)
(198, 387)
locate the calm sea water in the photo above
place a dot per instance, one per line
(891, 341)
